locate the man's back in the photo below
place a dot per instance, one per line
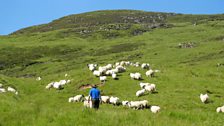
(94, 93)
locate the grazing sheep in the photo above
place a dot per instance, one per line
(204, 98)
(145, 66)
(136, 76)
(57, 85)
(137, 64)
(38, 78)
(105, 99)
(117, 64)
(103, 78)
(10, 89)
(120, 69)
(87, 104)
(144, 103)
(96, 73)
(71, 99)
(109, 72)
(150, 88)
(114, 76)
(114, 100)
(78, 98)
(142, 85)
(220, 109)
(127, 63)
(102, 70)
(132, 75)
(2, 90)
(68, 81)
(150, 73)
(50, 85)
(92, 67)
(125, 103)
(140, 92)
(155, 109)
(109, 66)
(87, 98)
(135, 105)
(62, 82)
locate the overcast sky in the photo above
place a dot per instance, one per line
(17, 14)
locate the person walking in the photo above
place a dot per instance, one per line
(95, 97)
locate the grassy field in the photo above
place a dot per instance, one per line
(185, 73)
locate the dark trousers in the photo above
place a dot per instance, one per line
(95, 103)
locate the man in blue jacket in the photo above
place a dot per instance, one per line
(95, 97)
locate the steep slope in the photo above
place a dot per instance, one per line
(186, 71)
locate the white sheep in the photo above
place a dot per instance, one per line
(135, 104)
(109, 72)
(92, 67)
(87, 98)
(125, 103)
(144, 103)
(103, 78)
(150, 88)
(114, 100)
(2, 90)
(122, 63)
(137, 64)
(120, 69)
(145, 66)
(50, 85)
(140, 92)
(117, 64)
(78, 98)
(132, 75)
(87, 104)
(57, 85)
(115, 70)
(142, 85)
(10, 89)
(68, 81)
(127, 63)
(1, 85)
(149, 73)
(102, 70)
(62, 82)
(220, 109)
(155, 109)
(114, 76)
(204, 98)
(105, 99)
(71, 99)
(38, 78)
(109, 66)
(136, 76)
(96, 73)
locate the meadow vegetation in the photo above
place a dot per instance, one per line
(66, 45)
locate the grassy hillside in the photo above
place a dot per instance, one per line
(185, 72)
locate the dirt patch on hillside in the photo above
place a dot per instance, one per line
(87, 86)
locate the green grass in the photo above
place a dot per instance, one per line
(185, 73)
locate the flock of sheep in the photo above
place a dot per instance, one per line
(112, 70)
(9, 89)
(204, 98)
